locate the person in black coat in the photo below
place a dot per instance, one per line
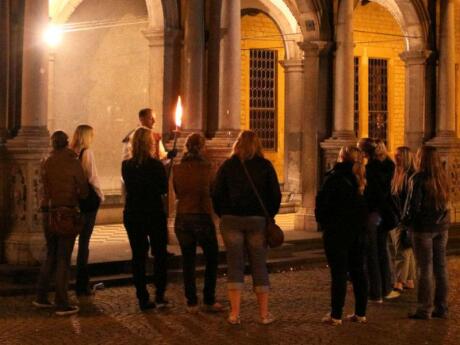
(341, 211)
(144, 217)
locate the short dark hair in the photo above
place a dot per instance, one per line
(144, 112)
(59, 140)
(368, 146)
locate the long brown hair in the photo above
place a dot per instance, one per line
(142, 145)
(354, 155)
(404, 165)
(247, 146)
(82, 138)
(427, 161)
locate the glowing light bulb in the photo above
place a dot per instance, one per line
(53, 35)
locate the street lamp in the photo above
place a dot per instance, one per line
(53, 35)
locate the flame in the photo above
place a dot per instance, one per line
(179, 113)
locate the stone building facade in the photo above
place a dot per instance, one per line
(308, 75)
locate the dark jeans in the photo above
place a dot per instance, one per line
(192, 230)
(82, 281)
(144, 231)
(58, 255)
(346, 255)
(378, 259)
(430, 257)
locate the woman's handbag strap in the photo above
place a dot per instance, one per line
(254, 188)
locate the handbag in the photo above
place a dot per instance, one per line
(274, 234)
(92, 202)
(65, 221)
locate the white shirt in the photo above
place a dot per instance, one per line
(89, 167)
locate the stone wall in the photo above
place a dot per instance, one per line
(101, 77)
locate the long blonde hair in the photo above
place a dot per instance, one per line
(354, 155)
(247, 146)
(428, 162)
(404, 165)
(82, 138)
(381, 152)
(142, 145)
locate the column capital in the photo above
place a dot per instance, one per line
(415, 57)
(315, 48)
(292, 65)
(159, 37)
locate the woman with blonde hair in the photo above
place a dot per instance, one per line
(144, 217)
(341, 211)
(426, 213)
(405, 271)
(243, 223)
(81, 145)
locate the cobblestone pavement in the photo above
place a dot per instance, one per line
(299, 300)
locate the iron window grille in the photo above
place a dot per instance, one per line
(263, 81)
(378, 98)
(356, 97)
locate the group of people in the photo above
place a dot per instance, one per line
(69, 176)
(369, 204)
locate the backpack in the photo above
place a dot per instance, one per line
(325, 201)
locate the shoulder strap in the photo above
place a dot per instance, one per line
(254, 188)
(80, 156)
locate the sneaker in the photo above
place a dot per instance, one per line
(330, 320)
(70, 310)
(147, 305)
(213, 308)
(43, 304)
(234, 320)
(192, 309)
(393, 294)
(268, 319)
(162, 303)
(356, 318)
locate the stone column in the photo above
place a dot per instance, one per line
(25, 239)
(294, 111)
(193, 65)
(230, 69)
(4, 58)
(415, 131)
(344, 74)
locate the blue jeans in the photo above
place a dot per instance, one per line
(378, 259)
(192, 230)
(58, 254)
(245, 235)
(430, 256)
(82, 279)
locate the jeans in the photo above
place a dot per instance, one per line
(146, 231)
(192, 230)
(82, 279)
(378, 259)
(58, 254)
(404, 261)
(346, 255)
(245, 235)
(430, 256)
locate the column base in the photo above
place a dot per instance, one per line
(305, 220)
(24, 248)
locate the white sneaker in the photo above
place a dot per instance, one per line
(330, 320)
(267, 319)
(393, 294)
(356, 318)
(43, 305)
(70, 310)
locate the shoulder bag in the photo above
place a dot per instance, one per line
(92, 201)
(274, 234)
(65, 221)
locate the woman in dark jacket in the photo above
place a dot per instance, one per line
(379, 172)
(342, 203)
(427, 216)
(243, 223)
(194, 225)
(144, 216)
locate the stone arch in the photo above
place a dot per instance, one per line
(284, 20)
(413, 20)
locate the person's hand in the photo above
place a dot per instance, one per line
(172, 154)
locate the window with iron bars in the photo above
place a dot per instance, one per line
(263, 96)
(356, 97)
(378, 98)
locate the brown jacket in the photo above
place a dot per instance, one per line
(192, 184)
(64, 181)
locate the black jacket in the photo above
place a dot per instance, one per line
(145, 184)
(232, 193)
(378, 190)
(420, 213)
(344, 209)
